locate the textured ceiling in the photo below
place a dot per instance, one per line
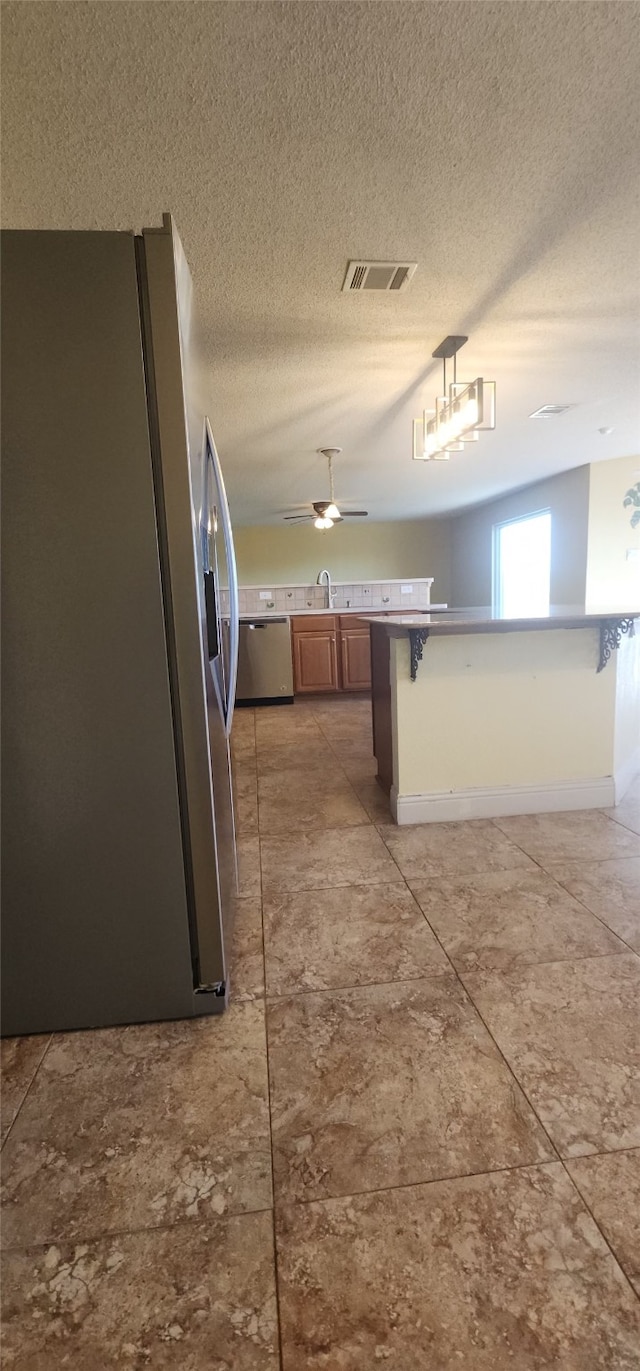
(496, 144)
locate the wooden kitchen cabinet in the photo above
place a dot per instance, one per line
(315, 662)
(331, 653)
(355, 658)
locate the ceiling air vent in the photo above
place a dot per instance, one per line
(550, 411)
(378, 275)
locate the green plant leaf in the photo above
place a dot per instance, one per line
(632, 497)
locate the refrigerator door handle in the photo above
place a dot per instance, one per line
(234, 614)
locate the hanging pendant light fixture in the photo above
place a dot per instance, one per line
(464, 410)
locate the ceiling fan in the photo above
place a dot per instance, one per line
(325, 512)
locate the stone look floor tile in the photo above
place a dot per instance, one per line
(160, 1129)
(451, 848)
(571, 1033)
(357, 766)
(353, 750)
(349, 706)
(609, 889)
(390, 1085)
(627, 812)
(195, 1296)
(291, 800)
(128, 1128)
(308, 755)
(249, 879)
(335, 856)
(354, 730)
(324, 939)
(247, 959)
(347, 731)
(244, 720)
(281, 715)
(610, 1185)
(19, 1061)
(280, 729)
(245, 772)
(489, 1273)
(506, 919)
(374, 799)
(583, 834)
(243, 745)
(245, 776)
(247, 816)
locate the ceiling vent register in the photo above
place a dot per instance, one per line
(549, 411)
(378, 275)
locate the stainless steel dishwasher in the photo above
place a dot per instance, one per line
(265, 667)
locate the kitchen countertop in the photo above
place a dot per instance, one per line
(485, 621)
(362, 612)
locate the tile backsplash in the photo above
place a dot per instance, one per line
(274, 599)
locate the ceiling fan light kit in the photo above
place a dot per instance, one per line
(326, 512)
(462, 411)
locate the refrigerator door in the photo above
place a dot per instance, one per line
(221, 583)
(94, 904)
(202, 748)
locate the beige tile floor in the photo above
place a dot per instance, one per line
(419, 1148)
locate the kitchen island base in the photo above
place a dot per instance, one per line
(503, 718)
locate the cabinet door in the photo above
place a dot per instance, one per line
(355, 654)
(315, 661)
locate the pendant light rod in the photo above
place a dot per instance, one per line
(330, 453)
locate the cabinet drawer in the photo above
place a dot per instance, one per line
(313, 623)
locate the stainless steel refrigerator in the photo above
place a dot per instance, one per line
(119, 859)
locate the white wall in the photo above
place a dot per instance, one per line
(627, 731)
(567, 496)
(613, 578)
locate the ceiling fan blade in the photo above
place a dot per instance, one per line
(355, 514)
(298, 516)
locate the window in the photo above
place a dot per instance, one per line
(522, 566)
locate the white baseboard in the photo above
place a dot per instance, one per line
(626, 775)
(495, 802)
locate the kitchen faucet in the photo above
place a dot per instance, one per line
(330, 593)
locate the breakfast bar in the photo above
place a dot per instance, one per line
(477, 716)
